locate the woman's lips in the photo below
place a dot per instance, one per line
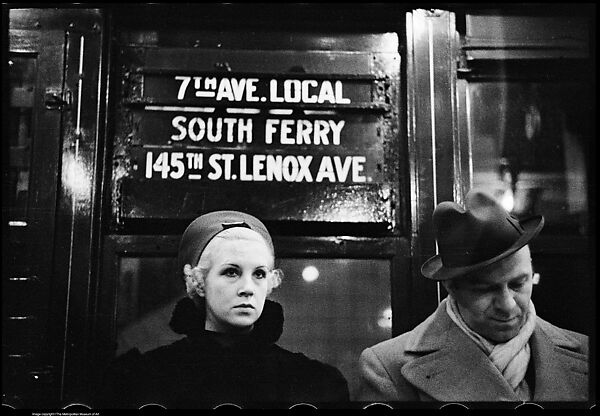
(245, 306)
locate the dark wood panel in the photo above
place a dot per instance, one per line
(362, 203)
(76, 254)
(234, 38)
(260, 61)
(344, 17)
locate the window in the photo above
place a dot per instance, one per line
(22, 75)
(529, 142)
(333, 308)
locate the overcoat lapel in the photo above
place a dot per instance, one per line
(561, 372)
(453, 367)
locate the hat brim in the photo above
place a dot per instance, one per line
(434, 269)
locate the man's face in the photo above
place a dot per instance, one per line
(494, 301)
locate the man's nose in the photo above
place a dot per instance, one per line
(505, 300)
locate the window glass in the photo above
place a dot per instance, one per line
(333, 308)
(146, 296)
(22, 74)
(528, 143)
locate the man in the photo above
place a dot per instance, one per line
(484, 342)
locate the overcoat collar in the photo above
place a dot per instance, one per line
(453, 368)
(189, 318)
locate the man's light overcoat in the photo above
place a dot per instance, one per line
(438, 361)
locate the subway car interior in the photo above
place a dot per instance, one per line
(339, 125)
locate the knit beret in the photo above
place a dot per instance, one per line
(204, 228)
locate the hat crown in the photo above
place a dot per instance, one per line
(204, 228)
(478, 233)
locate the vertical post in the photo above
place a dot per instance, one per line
(78, 194)
(434, 149)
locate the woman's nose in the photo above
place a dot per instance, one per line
(246, 287)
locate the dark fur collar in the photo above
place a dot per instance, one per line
(189, 319)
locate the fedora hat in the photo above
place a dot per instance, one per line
(476, 236)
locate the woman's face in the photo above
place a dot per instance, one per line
(235, 287)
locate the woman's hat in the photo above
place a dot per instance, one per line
(475, 237)
(204, 228)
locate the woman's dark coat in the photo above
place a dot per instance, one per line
(205, 369)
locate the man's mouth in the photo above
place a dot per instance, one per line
(506, 321)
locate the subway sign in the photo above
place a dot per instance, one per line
(295, 134)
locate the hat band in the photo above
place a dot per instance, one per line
(227, 225)
(470, 257)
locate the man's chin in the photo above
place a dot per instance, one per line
(502, 336)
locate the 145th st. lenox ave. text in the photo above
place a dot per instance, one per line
(256, 168)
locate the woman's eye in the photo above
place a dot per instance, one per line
(231, 272)
(261, 274)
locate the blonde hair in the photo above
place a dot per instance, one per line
(194, 276)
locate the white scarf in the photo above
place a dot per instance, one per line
(511, 358)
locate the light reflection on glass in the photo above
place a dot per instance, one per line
(385, 320)
(310, 273)
(75, 177)
(508, 201)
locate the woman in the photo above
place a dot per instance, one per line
(229, 354)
